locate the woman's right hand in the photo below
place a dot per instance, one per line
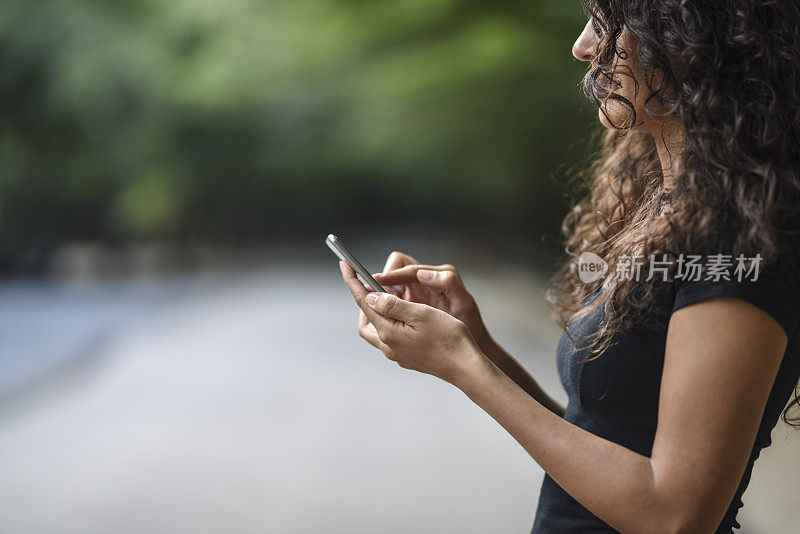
(439, 286)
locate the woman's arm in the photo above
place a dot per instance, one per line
(511, 368)
(721, 360)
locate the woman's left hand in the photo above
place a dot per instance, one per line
(416, 336)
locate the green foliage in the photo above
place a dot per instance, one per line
(231, 119)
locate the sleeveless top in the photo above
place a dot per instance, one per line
(615, 396)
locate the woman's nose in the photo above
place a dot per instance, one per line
(586, 44)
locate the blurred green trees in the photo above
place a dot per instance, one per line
(240, 119)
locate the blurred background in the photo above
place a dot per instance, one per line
(178, 352)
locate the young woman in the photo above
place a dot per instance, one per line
(675, 376)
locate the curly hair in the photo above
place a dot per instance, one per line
(728, 71)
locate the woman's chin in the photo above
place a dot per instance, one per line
(621, 120)
(606, 120)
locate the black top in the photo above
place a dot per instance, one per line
(615, 395)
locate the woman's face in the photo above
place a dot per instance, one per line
(627, 71)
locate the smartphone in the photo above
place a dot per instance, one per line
(341, 251)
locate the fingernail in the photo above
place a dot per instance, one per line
(425, 274)
(372, 298)
(398, 290)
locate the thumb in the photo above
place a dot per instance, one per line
(448, 282)
(393, 306)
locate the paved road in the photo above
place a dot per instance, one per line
(245, 402)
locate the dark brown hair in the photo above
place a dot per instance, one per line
(729, 72)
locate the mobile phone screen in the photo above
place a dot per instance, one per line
(341, 251)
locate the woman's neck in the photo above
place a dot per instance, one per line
(669, 141)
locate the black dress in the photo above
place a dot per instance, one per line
(615, 395)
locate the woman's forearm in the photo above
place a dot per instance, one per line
(506, 363)
(614, 483)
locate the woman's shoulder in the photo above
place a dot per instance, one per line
(770, 284)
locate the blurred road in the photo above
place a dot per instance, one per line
(245, 402)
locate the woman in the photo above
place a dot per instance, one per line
(675, 379)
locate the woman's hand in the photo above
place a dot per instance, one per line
(438, 286)
(414, 335)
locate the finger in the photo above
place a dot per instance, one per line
(362, 319)
(447, 282)
(358, 291)
(407, 274)
(415, 291)
(398, 259)
(369, 333)
(398, 290)
(410, 290)
(410, 313)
